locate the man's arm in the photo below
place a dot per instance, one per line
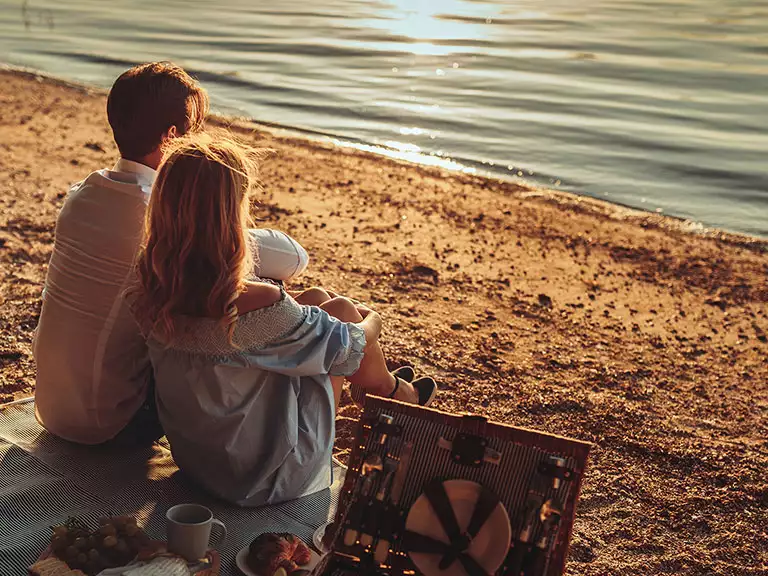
(278, 256)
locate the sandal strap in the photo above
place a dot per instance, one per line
(394, 390)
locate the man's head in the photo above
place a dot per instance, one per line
(150, 103)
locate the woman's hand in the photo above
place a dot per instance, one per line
(362, 309)
(371, 325)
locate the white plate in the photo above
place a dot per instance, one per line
(317, 537)
(243, 554)
(488, 548)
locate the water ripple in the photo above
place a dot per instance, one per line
(650, 103)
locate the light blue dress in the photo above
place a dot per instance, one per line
(253, 423)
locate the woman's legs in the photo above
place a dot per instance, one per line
(373, 375)
(337, 382)
(317, 297)
(311, 297)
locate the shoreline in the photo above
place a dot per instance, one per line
(572, 200)
(543, 310)
(310, 137)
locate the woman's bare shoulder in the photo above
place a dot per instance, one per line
(257, 295)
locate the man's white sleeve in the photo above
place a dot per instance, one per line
(279, 256)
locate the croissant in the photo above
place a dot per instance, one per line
(270, 552)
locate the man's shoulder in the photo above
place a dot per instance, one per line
(98, 202)
(101, 182)
(95, 179)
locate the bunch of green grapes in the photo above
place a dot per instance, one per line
(115, 542)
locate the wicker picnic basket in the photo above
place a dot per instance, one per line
(440, 494)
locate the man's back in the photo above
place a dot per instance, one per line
(92, 362)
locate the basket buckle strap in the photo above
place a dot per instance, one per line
(415, 542)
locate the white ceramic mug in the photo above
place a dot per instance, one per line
(188, 528)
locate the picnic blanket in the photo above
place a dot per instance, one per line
(44, 480)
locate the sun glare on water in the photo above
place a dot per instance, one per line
(430, 31)
(428, 27)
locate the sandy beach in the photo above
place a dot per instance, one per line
(535, 308)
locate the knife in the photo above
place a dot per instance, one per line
(536, 561)
(373, 511)
(522, 543)
(372, 465)
(382, 546)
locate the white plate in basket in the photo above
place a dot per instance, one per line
(488, 548)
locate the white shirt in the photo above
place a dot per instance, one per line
(92, 362)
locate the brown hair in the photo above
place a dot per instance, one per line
(147, 100)
(196, 254)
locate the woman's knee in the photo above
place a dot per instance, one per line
(342, 308)
(313, 296)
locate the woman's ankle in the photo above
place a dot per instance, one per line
(390, 387)
(383, 387)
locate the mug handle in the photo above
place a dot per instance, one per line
(222, 534)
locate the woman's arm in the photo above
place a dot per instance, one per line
(321, 345)
(257, 295)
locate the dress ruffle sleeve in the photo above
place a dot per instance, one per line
(348, 360)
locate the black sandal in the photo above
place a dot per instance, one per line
(406, 373)
(425, 387)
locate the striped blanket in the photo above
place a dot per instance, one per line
(45, 480)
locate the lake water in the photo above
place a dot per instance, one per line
(662, 105)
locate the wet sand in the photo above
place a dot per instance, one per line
(534, 308)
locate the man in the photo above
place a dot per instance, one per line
(93, 371)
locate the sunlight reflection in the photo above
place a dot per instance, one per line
(414, 107)
(411, 131)
(427, 23)
(409, 153)
(418, 18)
(429, 49)
(402, 146)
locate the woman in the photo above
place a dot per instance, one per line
(247, 377)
